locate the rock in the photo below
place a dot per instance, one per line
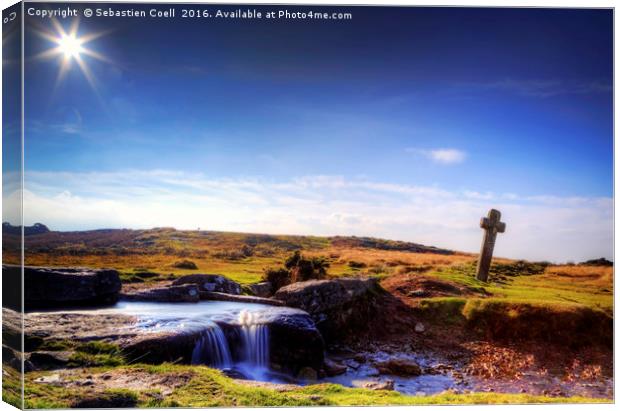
(307, 374)
(108, 399)
(419, 328)
(333, 368)
(208, 295)
(295, 343)
(53, 287)
(337, 306)
(49, 379)
(379, 385)
(11, 357)
(172, 294)
(156, 348)
(261, 289)
(210, 282)
(360, 358)
(49, 360)
(399, 367)
(235, 374)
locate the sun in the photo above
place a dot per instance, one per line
(70, 46)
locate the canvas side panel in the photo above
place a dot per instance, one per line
(12, 345)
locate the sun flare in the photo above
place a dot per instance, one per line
(70, 45)
(71, 48)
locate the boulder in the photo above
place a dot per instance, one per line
(156, 348)
(261, 289)
(399, 367)
(295, 343)
(49, 360)
(210, 282)
(208, 295)
(106, 399)
(333, 368)
(177, 293)
(53, 287)
(307, 374)
(337, 306)
(11, 357)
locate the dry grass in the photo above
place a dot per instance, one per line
(385, 262)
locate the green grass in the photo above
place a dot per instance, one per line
(208, 388)
(532, 287)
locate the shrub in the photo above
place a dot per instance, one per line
(356, 264)
(278, 277)
(296, 268)
(185, 264)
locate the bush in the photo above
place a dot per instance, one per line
(356, 264)
(278, 277)
(296, 268)
(185, 264)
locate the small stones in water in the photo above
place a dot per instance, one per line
(333, 368)
(419, 328)
(379, 385)
(353, 364)
(400, 367)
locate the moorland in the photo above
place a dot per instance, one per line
(535, 332)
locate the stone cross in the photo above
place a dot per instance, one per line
(491, 226)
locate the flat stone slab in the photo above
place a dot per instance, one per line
(187, 293)
(67, 286)
(207, 295)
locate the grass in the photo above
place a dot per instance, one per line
(238, 256)
(532, 300)
(208, 388)
(555, 285)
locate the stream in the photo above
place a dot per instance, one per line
(251, 359)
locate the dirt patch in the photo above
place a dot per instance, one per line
(270, 385)
(134, 380)
(418, 286)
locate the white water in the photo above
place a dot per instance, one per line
(251, 358)
(212, 349)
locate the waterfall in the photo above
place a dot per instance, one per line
(212, 349)
(255, 340)
(252, 354)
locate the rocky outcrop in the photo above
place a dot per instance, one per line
(49, 360)
(210, 282)
(261, 289)
(187, 293)
(156, 348)
(295, 343)
(54, 287)
(337, 306)
(294, 340)
(213, 296)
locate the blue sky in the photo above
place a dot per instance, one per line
(427, 116)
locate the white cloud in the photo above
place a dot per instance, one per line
(442, 155)
(550, 228)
